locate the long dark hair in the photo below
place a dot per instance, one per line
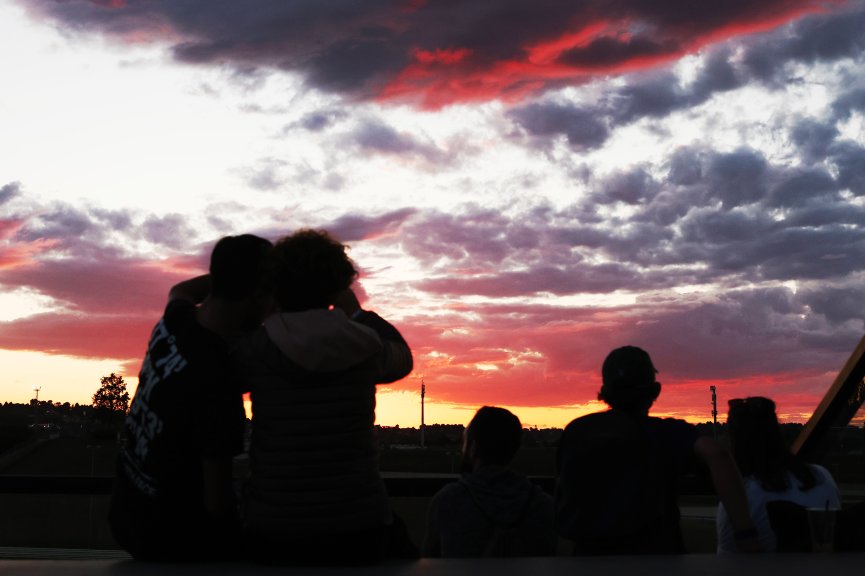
(759, 448)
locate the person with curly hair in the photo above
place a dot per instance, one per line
(315, 495)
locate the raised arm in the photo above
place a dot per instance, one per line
(396, 358)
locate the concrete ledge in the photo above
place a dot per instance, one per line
(687, 565)
(21, 553)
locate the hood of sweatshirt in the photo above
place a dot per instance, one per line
(502, 494)
(322, 340)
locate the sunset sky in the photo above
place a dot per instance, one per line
(525, 185)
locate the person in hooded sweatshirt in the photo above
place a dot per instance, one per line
(314, 494)
(492, 510)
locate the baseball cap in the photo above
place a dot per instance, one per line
(628, 373)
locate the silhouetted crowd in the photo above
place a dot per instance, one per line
(282, 323)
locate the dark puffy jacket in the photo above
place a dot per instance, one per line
(312, 378)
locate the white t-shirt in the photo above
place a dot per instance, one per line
(825, 491)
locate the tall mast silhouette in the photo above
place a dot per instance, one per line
(714, 412)
(422, 423)
(36, 389)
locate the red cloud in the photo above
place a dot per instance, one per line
(434, 53)
(442, 76)
(20, 254)
(83, 335)
(9, 227)
(549, 356)
(441, 56)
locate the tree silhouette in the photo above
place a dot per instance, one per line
(112, 396)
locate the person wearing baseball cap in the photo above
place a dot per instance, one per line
(618, 470)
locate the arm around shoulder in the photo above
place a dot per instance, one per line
(194, 290)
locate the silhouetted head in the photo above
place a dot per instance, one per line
(492, 437)
(629, 382)
(238, 267)
(310, 268)
(758, 446)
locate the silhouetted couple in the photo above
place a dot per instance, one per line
(314, 494)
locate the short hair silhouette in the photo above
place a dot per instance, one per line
(310, 268)
(238, 266)
(629, 379)
(496, 433)
(759, 448)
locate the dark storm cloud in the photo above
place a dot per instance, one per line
(813, 138)
(739, 333)
(362, 62)
(80, 232)
(319, 120)
(171, 230)
(656, 97)
(93, 232)
(486, 253)
(839, 304)
(802, 188)
(80, 256)
(714, 218)
(265, 175)
(609, 52)
(376, 136)
(849, 158)
(636, 186)
(9, 191)
(473, 238)
(813, 39)
(395, 47)
(650, 95)
(353, 228)
(847, 103)
(106, 300)
(583, 128)
(659, 94)
(826, 214)
(737, 178)
(685, 167)
(579, 278)
(295, 175)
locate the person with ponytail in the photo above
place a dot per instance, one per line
(772, 472)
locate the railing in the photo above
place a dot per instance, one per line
(397, 486)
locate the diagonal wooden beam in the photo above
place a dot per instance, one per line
(837, 407)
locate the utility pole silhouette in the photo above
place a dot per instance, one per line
(714, 412)
(36, 388)
(422, 423)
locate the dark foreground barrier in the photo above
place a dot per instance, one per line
(688, 565)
